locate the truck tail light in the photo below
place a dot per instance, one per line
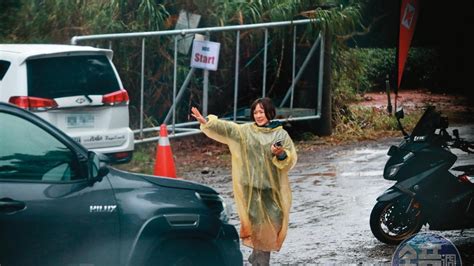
(33, 103)
(116, 98)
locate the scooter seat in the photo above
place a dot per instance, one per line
(468, 169)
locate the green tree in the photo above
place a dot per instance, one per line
(56, 21)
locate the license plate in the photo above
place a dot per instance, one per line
(80, 121)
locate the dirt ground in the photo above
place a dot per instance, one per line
(413, 99)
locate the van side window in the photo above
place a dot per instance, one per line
(4, 66)
(29, 153)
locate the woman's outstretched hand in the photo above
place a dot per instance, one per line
(196, 114)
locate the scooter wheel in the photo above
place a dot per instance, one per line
(391, 223)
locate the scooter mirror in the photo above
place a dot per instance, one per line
(399, 114)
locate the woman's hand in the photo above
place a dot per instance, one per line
(277, 150)
(196, 114)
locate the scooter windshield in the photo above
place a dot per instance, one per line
(428, 123)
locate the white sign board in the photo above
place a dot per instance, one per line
(205, 55)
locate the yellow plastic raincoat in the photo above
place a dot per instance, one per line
(260, 180)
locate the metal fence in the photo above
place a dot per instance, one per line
(189, 128)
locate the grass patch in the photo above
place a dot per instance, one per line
(361, 123)
(143, 160)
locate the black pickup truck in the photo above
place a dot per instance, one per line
(61, 205)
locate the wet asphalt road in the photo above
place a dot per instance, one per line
(334, 191)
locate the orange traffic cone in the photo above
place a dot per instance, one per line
(164, 163)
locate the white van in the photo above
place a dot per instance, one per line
(75, 88)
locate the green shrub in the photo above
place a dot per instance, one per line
(362, 122)
(360, 70)
(376, 64)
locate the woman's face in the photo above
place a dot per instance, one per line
(259, 115)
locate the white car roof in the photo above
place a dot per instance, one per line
(21, 52)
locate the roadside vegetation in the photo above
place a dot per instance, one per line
(365, 70)
(355, 70)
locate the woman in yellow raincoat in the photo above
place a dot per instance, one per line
(262, 154)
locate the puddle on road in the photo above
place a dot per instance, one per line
(363, 173)
(327, 221)
(330, 174)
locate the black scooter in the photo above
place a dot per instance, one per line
(426, 192)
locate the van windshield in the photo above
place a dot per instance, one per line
(57, 77)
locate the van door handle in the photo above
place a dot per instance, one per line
(8, 205)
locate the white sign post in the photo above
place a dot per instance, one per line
(205, 55)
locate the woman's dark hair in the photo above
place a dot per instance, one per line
(267, 105)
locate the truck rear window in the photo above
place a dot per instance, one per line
(71, 76)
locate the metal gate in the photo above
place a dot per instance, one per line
(179, 129)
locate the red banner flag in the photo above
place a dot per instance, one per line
(408, 15)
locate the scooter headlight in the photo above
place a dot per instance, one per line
(408, 156)
(393, 170)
